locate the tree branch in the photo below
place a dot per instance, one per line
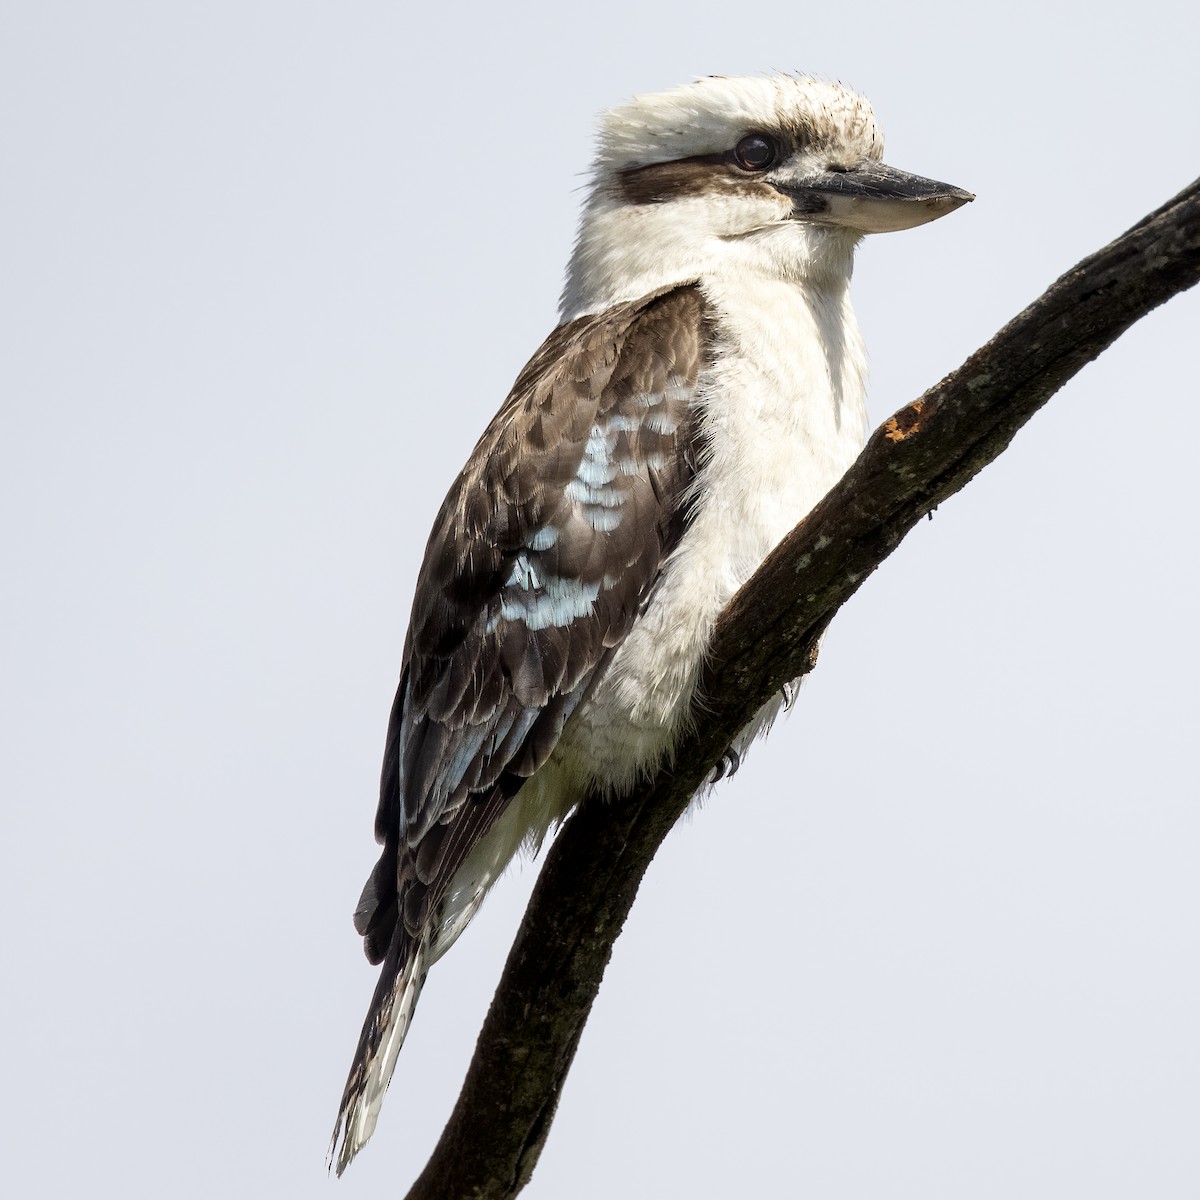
(767, 636)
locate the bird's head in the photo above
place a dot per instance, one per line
(780, 174)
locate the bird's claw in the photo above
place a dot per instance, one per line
(727, 765)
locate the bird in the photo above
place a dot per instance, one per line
(703, 390)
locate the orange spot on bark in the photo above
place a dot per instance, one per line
(905, 423)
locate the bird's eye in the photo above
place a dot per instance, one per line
(756, 152)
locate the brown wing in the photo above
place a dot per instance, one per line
(539, 560)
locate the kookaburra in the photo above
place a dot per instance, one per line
(703, 391)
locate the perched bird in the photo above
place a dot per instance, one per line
(703, 391)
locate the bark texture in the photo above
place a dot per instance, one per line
(769, 634)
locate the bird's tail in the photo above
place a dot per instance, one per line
(396, 994)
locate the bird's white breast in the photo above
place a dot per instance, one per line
(782, 418)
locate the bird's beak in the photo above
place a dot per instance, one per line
(871, 197)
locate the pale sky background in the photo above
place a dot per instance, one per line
(266, 271)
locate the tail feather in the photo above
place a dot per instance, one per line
(396, 994)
